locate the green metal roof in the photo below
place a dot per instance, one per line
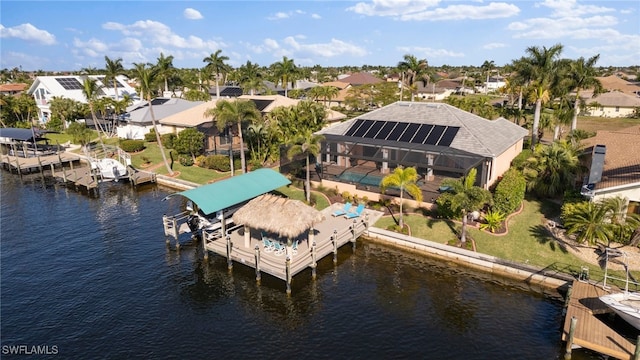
(235, 190)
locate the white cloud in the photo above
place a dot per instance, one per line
(572, 27)
(430, 52)
(28, 32)
(159, 34)
(392, 7)
(561, 8)
(462, 12)
(279, 16)
(491, 46)
(192, 14)
(316, 16)
(331, 49)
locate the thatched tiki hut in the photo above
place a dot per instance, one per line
(281, 216)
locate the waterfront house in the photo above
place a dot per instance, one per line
(138, 120)
(611, 104)
(440, 140)
(45, 88)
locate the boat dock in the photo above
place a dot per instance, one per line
(27, 165)
(589, 332)
(324, 239)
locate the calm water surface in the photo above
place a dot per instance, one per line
(93, 277)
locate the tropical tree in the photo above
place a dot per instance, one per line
(552, 169)
(237, 111)
(582, 75)
(464, 197)
(415, 70)
(588, 221)
(404, 179)
(307, 144)
(113, 68)
(539, 68)
(80, 133)
(216, 64)
(486, 67)
(189, 141)
(147, 78)
(90, 89)
(250, 77)
(285, 71)
(165, 69)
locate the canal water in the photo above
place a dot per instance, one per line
(89, 277)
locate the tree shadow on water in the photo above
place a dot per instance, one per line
(542, 234)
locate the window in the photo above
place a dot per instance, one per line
(617, 108)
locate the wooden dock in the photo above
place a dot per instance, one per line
(82, 176)
(328, 236)
(591, 332)
(27, 165)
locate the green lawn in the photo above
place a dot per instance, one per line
(527, 241)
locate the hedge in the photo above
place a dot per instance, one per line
(509, 192)
(132, 145)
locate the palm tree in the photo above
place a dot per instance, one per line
(552, 169)
(147, 78)
(113, 68)
(463, 197)
(416, 70)
(90, 89)
(583, 76)
(250, 77)
(487, 66)
(590, 222)
(406, 180)
(215, 62)
(165, 69)
(235, 111)
(540, 69)
(308, 144)
(285, 72)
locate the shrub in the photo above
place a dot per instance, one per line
(132, 145)
(217, 162)
(200, 160)
(493, 221)
(346, 196)
(168, 140)
(509, 192)
(150, 136)
(185, 160)
(519, 161)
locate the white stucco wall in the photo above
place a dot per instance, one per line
(630, 192)
(502, 162)
(611, 112)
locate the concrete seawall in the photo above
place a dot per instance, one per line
(546, 278)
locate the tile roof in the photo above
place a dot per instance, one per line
(613, 98)
(168, 107)
(614, 83)
(191, 117)
(622, 157)
(12, 87)
(476, 135)
(361, 78)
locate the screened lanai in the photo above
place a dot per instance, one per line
(439, 140)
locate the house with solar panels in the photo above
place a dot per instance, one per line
(439, 140)
(45, 88)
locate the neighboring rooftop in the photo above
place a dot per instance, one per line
(622, 159)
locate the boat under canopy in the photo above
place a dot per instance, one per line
(226, 193)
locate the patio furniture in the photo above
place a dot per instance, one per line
(342, 211)
(267, 244)
(294, 248)
(279, 249)
(356, 213)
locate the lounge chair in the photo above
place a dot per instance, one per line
(294, 248)
(356, 213)
(342, 211)
(279, 249)
(268, 244)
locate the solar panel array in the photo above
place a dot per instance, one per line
(110, 82)
(69, 83)
(413, 133)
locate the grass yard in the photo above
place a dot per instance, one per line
(528, 241)
(599, 123)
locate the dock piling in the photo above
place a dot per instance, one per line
(288, 274)
(572, 330)
(229, 261)
(636, 353)
(314, 264)
(257, 256)
(334, 241)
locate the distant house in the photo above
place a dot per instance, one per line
(361, 78)
(611, 104)
(45, 88)
(12, 89)
(614, 166)
(614, 83)
(138, 120)
(439, 140)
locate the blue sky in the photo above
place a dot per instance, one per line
(71, 35)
